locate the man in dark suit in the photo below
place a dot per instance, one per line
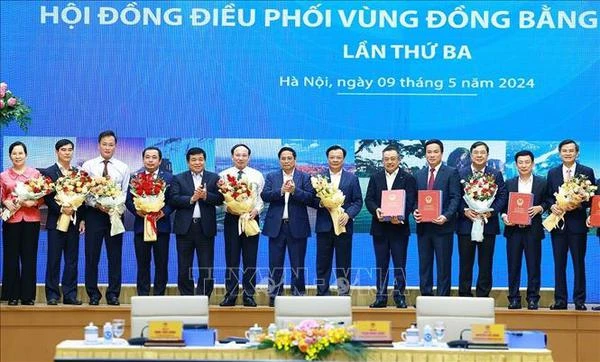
(288, 192)
(573, 236)
(60, 242)
(152, 157)
(436, 237)
(525, 238)
(327, 241)
(589, 225)
(485, 248)
(390, 237)
(195, 195)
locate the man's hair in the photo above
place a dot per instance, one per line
(286, 148)
(153, 148)
(107, 133)
(566, 142)
(524, 153)
(479, 143)
(391, 148)
(335, 147)
(63, 142)
(435, 142)
(194, 151)
(241, 145)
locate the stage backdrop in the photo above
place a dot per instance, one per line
(177, 74)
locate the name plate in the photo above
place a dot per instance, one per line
(373, 331)
(488, 333)
(165, 330)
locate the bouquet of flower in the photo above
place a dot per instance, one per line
(240, 198)
(12, 107)
(149, 199)
(332, 199)
(569, 196)
(71, 190)
(313, 340)
(480, 191)
(30, 190)
(105, 193)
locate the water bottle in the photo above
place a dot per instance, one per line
(108, 333)
(427, 336)
(272, 330)
(90, 334)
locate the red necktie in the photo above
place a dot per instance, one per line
(431, 179)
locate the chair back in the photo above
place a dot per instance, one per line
(292, 309)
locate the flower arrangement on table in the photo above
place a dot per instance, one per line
(32, 189)
(109, 196)
(571, 194)
(480, 190)
(240, 198)
(332, 199)
(71, 191)
(12, 108)
(313, 340)
(149, 199)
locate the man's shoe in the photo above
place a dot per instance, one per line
(596, 307)
(271, 302)
(72, 302)
(378, 303)
(580, 306)
(558, 306)
(113, 301)
(514, 304)
(228, 302)
(401, 303)
(52, 302)
(94, 302)
(532, 305)
(249, 302)
(13, 302)
(28, 302)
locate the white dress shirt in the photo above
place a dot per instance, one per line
(390, 177)
(569, 172)
(197, 178)
(286, 178)
(335, 178)
(526, 186)
(254, 177)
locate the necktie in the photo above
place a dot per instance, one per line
(105, 171)
(431, 179)
(240, 174)
(568, 174)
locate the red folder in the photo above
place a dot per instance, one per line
(595, 211)
(430, 204)
(518, 204)
(393, 203)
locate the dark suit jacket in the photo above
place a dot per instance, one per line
(182, 190)
(574, 220)
(539, 199)
(297, 213)
(164, 224)
(377, 183)
(53, 208)
(448, 182)
(353, 202)
(492, 227)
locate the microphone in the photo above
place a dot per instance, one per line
(459, 343)
(138, 341)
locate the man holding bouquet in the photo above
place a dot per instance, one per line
(390, 237)
(288, 193)
(468, 216)
(98, 225)
(62, 242)
(194, 194)
(151, 179)
(237, 242)
(328, 240)
(573, 235)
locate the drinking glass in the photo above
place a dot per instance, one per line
(118, 326)
(440, 329)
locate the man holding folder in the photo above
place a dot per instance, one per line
(390, 230)
(438, 201)
(524, 234)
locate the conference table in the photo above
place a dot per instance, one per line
(76, 350)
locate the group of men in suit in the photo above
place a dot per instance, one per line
(193, 196)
